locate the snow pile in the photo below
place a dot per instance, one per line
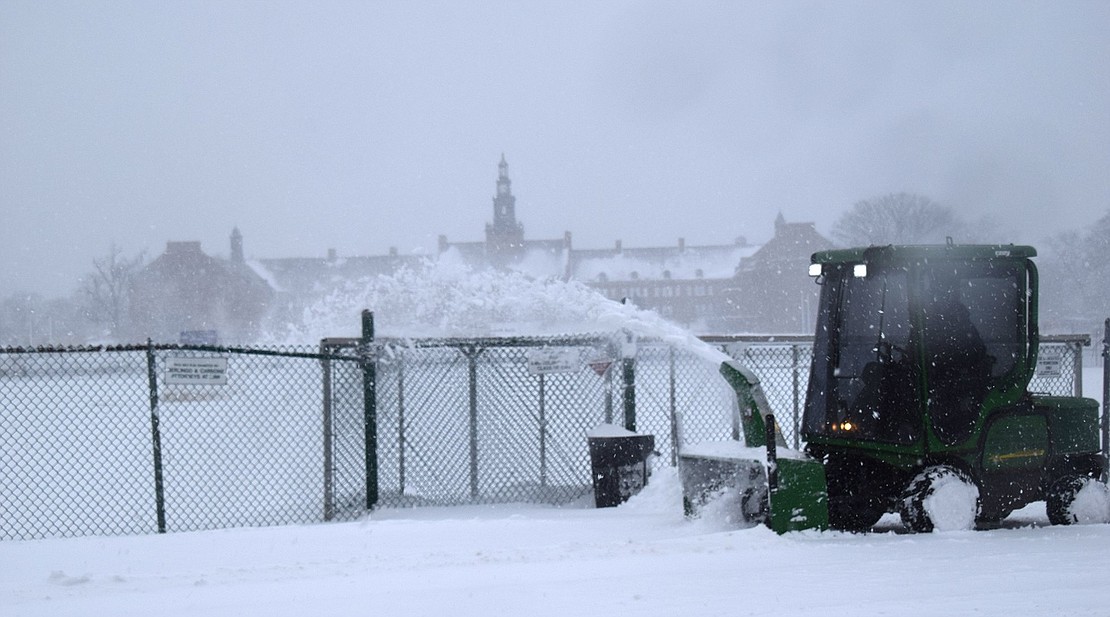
(722, 512)
(446, 299)
(661, 499)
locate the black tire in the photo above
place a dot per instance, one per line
(915, 506)
(855, 493)
(854, 513)
(993, 519)
(1062, 495)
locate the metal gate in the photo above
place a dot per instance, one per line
(465, 421)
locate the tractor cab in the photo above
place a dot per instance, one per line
(917, 403)
(914, 345)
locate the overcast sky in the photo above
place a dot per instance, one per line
(364, 125)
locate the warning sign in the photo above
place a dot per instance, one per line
(196, 371)
(553, 360)
(1050, 362)
(601, 365)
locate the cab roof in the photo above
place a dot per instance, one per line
(893, 253)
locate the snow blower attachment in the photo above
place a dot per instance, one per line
(782, 488)
(918, 396)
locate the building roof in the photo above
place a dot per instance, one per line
(791, 244)
(678, 262)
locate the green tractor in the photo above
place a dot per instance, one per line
(918, 403)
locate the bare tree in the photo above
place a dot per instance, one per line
(1064, 274)
(896, 218)
(1097, 268)
(20, 320)
(1075, 268)
(105, 289)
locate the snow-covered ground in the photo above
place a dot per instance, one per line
(640, 558)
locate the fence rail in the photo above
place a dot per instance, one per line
(125, 440)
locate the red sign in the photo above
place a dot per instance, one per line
(600, 366)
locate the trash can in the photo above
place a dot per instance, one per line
(618, 464)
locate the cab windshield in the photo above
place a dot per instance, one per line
(903, 344)
(863, 384)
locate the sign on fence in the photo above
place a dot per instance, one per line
(196, 371)
(1050, 362)
(601, 365)
(544, 360)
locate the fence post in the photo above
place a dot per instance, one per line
(1077, 368)
(401, 420)
(543, 431)
(329, 479)
(471, 353)
(370, 407)
(156, 438)
(673, 410)
(612, 351)
(628, 373)
(794, 373)
(1106, 402)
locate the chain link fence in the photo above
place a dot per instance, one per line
(154, 438)
(75, 444)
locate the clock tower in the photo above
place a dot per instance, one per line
(505, 236)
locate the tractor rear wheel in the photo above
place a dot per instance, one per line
(941, 498)
(1077, 499)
